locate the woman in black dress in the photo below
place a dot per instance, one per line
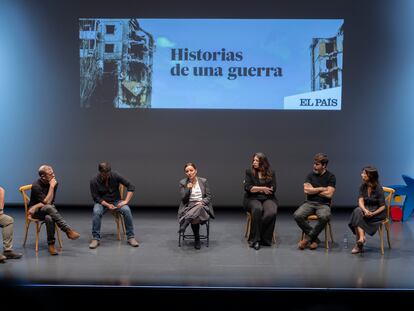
(260, 200)
(367, 217)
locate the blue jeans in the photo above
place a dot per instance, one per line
(99, 210)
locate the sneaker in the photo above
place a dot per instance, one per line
(94, 244)
(12, 255)
(302, 244)
(2, 258)
(72, 234)
(52, 250)
(133, 242)
(314, 245)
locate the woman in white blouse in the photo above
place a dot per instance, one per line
(195, 207)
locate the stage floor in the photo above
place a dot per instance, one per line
(227, 263)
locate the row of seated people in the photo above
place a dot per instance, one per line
(196, 206)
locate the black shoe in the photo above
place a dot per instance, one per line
(256, 245)
(12, 255)
(197, 244)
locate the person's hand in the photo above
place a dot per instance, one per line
(121, 203)
(53, 182)
(111, 206)
(31, 211)
(267, 190)
(190, 185)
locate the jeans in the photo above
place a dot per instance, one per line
(99, 210)
(301, 214)
(51, 216)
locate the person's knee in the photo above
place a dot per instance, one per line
(50, 209)
(298, 215)
(125, 210)
(255, 207)
(7, 220)
(98, 210)
(325, 217)
(48, 219)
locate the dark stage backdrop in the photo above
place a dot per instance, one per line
(41, 120)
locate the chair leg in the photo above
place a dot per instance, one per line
(330, 231)
(118, 229)
(123, 226)
(208, 233)
(326, 236)
(25, 234)
(59, 236)
(380, 230)
(387, 227)
(274, 238)
(37, 236)
(248, 224)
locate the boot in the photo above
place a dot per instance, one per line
(196, 230)
(52, 250)
(184, 225)
(72, 234)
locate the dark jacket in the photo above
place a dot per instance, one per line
(186, 192)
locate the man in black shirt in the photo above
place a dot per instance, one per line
(105, 193)
(319, 188)
(42, 200)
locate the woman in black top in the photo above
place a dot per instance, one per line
(367, 217)
(260, 200)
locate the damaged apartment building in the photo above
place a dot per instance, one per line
(116, 57)
(327, 61)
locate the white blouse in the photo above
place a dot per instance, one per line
(196, 195)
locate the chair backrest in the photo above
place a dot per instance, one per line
(24, 191)
(388, 193)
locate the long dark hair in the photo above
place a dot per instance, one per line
(264, 166)
(373, 176)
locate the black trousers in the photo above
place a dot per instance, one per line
(263, 213)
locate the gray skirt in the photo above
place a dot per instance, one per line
(195, 212)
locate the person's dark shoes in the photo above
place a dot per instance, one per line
(2, 258)
(184, 226)
(303, 244)
(197, 244)
(263, 243)
(52, 250)
(12, 255)
(72, 234)
(256, 245)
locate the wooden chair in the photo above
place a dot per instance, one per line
(388, 192)
(24, 191)
(328, 226)
(119, 219)
(248, 226)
